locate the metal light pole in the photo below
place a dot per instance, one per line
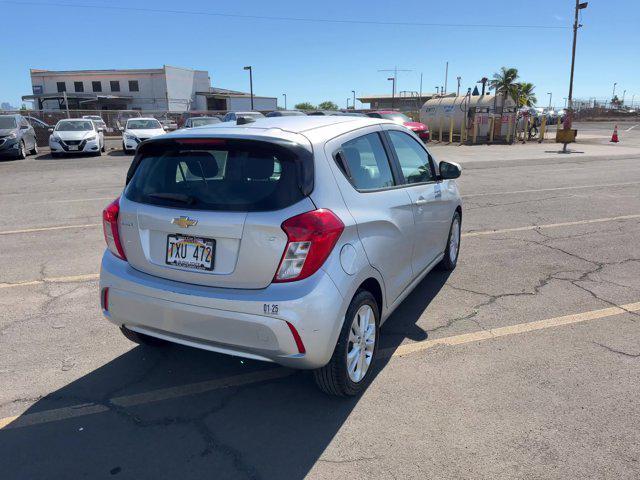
(458, 91)
(633, 97)
(624, 92)
(250, 83)
(613, 94)
(285, 100)
(347, 103)
(437, 90)
(446, 77)
(550, 97)
(393, 90)
(565, 102)
(576, 25)
(354, 99)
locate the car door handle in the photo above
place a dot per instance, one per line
(421, 201)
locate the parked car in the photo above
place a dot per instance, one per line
(233, 116)
(316, 113)
(291, 246)
(98, 121)
(285, 113)
(418, 128)
(169, 124)
(76, 135)
(200, 121)
(137, 130)
(17, 137)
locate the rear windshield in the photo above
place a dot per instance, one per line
(8, 122)
(231, 178)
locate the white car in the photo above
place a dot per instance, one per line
(137, 130)
(76, 135)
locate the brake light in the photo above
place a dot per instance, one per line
(110, 228)
(311, 237)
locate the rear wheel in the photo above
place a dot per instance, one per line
(450, 259)
(349, 370)
(141, 338)
(34, 150)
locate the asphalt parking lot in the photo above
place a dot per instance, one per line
(522, 363)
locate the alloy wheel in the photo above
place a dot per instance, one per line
(361, 345)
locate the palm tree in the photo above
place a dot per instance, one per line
(527, 97)
(504, 82)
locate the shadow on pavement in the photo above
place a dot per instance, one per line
(273, 429)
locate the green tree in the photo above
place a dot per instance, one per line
(504, 82)
(328, 105)
(304, 106)
(527, 97)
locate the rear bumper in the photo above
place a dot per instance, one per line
(233, 321)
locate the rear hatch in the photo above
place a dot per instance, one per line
(209, 211)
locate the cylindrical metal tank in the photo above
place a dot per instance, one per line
(438, 112)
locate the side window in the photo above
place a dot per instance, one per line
(367, 163)
(413, 159)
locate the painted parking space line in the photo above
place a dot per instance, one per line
(48, 229)
(549, 225)
(631, 128)
(68, 279)
(47, 416)
(535, 190)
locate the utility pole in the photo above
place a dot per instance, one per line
(250, 83)
(550, 97)
(458, 90)
(395, 71)
(420, 87)
(347, 103)
(66, 103)
(285, 100)
(624, 92)
(613, 94)
(354, 99)
(446, 77)
(576, 25)
(437, 90)
(393, 90)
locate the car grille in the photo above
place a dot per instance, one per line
(73, 142)
(79, 143)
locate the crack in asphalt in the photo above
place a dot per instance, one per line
(619, 352)
(478, 205)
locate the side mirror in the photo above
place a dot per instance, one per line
(50, 130)
(449, 170)
(24, 127)
(165, 128)
(121, 129)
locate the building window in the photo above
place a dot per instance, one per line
(115, 85)
(78, 86)
(96, 86)
(133, 86)
(62, 87)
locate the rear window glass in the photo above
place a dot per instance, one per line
(231, 179)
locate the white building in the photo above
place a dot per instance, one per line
(171, 89)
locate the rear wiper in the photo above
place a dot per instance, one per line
(175, 197)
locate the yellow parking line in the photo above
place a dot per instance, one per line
(549, 225)
(579, 187)
(144, 398)
(70, 279)
(47, 229)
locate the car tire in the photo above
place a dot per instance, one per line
(34, 150)
(142, 339)
(22, 152)
(103, 149)
(124, 149)
(452, 250)
(339, 377)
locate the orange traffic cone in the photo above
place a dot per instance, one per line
(614, 137)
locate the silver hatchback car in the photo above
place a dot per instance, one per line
(287, 239)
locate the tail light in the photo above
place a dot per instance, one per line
(110, 227)
(311, 237)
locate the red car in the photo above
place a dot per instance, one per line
(418, 128)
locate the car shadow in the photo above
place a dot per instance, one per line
(134, 418)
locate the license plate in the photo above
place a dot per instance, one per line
(190, 252)
(73, 147)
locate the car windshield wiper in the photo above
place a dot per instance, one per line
(174, 197)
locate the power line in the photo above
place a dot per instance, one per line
(285, 19)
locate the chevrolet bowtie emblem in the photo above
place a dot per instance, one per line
(184, 222)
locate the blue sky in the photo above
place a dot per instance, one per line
(325, 61)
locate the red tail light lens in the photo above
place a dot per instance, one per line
(110, 228)
(311, 237)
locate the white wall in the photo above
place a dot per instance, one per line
(243, 104)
